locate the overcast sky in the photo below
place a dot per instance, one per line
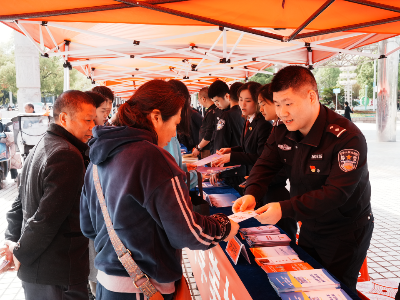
(5, 33)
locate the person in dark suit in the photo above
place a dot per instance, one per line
(347, 111)
(259, 110)
(254, 134)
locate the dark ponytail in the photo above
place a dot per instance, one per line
(155, 94)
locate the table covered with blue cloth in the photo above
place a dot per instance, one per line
(253, 277)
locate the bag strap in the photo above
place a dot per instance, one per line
(199, 182)
(124, 255)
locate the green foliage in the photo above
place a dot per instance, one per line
(51, 75)
(365, 76)
(327, 77)
(263, 78)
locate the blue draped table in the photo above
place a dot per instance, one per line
(253, 277)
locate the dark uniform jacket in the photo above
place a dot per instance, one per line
(207, 127)
(228, 133)
(44, 218)
(217, 115)
(251, 144)
(148, 202)
(329, 180)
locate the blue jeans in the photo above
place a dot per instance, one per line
(103, 294)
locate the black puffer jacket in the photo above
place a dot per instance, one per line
(44, 218)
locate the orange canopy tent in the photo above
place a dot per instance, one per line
(125, 43)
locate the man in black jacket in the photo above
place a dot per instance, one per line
(229, 127)
(207, 126)
(325, 158)
(43, 236)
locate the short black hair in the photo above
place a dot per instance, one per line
(295, 77)
(30, 105)
(98, 98)
(70, 102)
(233, 92)
(347, 103)
(265, 92)
(218, 89)
(105, 91)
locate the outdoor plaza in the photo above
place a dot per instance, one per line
(124, 44)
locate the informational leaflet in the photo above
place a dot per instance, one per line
(215, 170)
(329, 294)
(302, 281)
(267, 229)
(263, 252)
(3, 265)
(284, 267)
(243, 215)
(268, 240)
(207, 160)
(222, 200)
(289, 259)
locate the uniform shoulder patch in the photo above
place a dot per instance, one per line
(278, 122)
(335, 129)
(348, 159)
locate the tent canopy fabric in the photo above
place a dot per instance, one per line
(123, 44)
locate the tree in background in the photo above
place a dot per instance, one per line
(327, 77)
(51, 75)
(365, 76)
(263, 78)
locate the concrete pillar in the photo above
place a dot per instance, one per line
(27, 69)
(388, 71)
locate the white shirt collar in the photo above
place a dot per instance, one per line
(251, 118)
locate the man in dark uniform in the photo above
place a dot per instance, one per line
(325, 159)
(228, 128)
(207, 126)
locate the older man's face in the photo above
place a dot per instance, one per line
(28, 109)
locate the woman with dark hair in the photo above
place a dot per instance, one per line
(255, 132)
(101, 107)
(145, 195)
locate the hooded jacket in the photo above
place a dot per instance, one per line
(148, 202)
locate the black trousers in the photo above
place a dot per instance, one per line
(276, 194)
(34, 291)
(342, 255)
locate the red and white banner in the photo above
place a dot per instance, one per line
(215, 277)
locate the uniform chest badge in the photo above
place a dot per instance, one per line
(348, 159)
(250, 128)
(221, 124)
(312, 168)
(284, 147)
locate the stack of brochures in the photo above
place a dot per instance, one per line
(268, 229)
(329, 294)
(262, 252)
(302, 281)
(275, 268)
(267, 240)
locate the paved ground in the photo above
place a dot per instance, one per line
(383, 255)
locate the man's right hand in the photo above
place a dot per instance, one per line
(195, 152)
(234, 230)
(247, 202)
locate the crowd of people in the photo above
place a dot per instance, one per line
(108, 200)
